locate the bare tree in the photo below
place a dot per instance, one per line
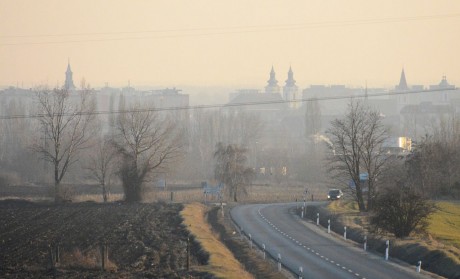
(357, 152)
(148, 142)
(66, 119)
(101, 165)
(436, 160)
(231, 168)
(208, 127)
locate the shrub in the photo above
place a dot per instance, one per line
(400, 211)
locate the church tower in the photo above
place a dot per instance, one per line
(272, 84)
(290, 90)
(402, 82)
(68, 79)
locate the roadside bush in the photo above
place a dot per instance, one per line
(401, 211)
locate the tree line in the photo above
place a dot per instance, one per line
(397, 189)
(139, 144)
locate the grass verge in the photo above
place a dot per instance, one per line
(222, 263)
(438, 249)
(445, 223)
(251, 258)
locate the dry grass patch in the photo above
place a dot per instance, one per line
(349, 214)
(222, 263)
(445, 223)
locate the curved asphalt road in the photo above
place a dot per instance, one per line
(320, 254)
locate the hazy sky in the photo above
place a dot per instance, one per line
(229, 43)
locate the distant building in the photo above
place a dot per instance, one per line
(291, 91)
(239, 92)
(402, 86)
(69, 79)
(272, 84)
(415, 119)
(438, 94)
(268, 102)
(165, 98)
(332, 97)
(253, 100)
(397, 145)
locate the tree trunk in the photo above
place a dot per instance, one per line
(104, 193)
(57, 195)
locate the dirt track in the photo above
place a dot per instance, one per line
(143, 240)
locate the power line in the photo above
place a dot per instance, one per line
(197, 107)
(209, 31)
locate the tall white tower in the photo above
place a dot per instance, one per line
(290, 90)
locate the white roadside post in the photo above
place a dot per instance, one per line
(317, 219)
(279, 262)
(300, 272)
(263, 250)
(222, 208)
(345, 232)
(419, 266)
(328, 225)
(387, 249)
(301, 214)
(250, 241)
(365, 242)
(304, 211)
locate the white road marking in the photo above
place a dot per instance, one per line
(308, 248)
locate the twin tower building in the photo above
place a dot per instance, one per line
(290, 90)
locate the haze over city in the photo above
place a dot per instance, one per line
(229, 44)
(230, 139)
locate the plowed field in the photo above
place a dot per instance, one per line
(39, 240)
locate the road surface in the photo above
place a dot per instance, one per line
(305, 245)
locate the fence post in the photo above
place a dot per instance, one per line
(188, 253)
(51, 258)
(103, 248)
(387, 249)
(58, 256)
(279, 262)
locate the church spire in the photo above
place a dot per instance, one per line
(402, 82)
(68, 78)
(272, 83)
(290, 82)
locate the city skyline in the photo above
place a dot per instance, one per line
(229, 44)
